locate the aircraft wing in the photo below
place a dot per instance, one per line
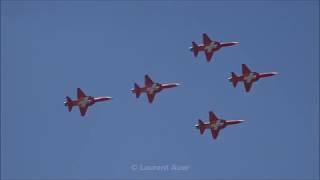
(212, 117)
(83, 110)
(147, 80)
(245, 70)
(80, 93)
(206, 39)
(247, 86)
(151, 97)
(209, 55)
(215, 133)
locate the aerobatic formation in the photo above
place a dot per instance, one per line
(151, 88)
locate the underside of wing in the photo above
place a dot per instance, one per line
(245, 70)
(151, 97)
(80, 93)
(247, 86)
(206, 39)
(83, 110)
(209, 55)
(147, 80)
(215, 133)
(212, 117)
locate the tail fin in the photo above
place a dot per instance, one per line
(136, 90)
(234, 79)
(195, 49)
(69, 103)
(201, 126)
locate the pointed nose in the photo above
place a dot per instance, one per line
(178, 84)
(271, 74)
(268, 74)
(233, 43)
(106, 98)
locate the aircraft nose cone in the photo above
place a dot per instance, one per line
(178, 84)
(241, 121)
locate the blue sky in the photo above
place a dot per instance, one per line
(48, 49)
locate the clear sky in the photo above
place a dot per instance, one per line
(50, 48)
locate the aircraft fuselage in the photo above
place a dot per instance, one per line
(87, 101)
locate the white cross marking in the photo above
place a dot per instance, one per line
(216, 125)
(250, 77)
(152, 89)
(84, 101)
(211, 47)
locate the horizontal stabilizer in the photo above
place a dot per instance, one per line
(137, 90)
(69, 103)
(195, 49)
(234, 79)
(201, 126)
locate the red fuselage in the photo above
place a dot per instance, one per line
(215, 124)
(254, 76)
(87, 101)
(83, 101)
(248, 77)
(155, 88)
(151, 88)
(219, 124)
(214, 46)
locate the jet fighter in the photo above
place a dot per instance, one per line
(83, 101)
(151, 88)
(209, 47)
(248, 77)
(215, 124)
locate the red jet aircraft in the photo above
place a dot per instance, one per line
(151, 88)
(209, 46)
(215, 124)
(83, 101)
(248, 77)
